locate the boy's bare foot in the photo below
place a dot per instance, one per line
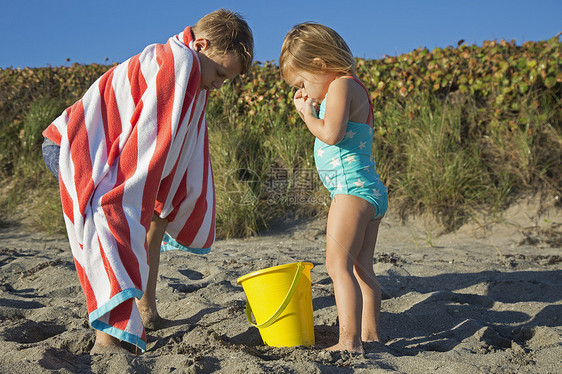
(99, 349)
(350, 348)
(107, 344)
(152, 321)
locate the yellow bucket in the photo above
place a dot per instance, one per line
(280, 299)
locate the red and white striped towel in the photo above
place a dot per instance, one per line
(136, 143)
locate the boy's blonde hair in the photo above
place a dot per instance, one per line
(307, 42)
(227, 32)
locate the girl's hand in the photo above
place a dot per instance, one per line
(299, 101)
(305, 105)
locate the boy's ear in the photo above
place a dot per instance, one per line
(319, 62)
(201, 44)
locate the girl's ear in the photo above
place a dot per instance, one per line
(319, 62)
(201, 44)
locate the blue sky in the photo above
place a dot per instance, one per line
(39, 33)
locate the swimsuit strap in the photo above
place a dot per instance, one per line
(368, 97)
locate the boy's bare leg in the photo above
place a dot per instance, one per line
(370, 287)
(106, 343)
(147, 304)
(347, 222)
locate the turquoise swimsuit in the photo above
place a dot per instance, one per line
(348, 168)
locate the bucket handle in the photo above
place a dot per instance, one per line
(292, 290)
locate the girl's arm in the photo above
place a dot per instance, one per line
(332, 128)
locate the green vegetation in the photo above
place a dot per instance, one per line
(458, 130)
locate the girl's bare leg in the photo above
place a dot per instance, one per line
(147, 304)
(370, 288)
(347, 222)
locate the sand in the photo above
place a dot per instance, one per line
(485, 299)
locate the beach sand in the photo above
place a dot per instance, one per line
(485, 299)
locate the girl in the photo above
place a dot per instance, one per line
(319, 64)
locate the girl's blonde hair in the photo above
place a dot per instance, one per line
(307, 42)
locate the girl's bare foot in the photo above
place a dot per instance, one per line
(347, 347)
(371, 338)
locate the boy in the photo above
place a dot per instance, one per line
(134, 170)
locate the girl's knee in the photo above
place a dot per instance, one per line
(364, 273)
(330, 267)
(335, 266)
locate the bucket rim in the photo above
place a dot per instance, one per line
(270, 269)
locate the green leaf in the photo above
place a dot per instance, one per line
(550, 82)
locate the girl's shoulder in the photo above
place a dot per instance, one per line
(344, 81)
(350, 89)
(350, 82)
(350, 86)
(345, 85)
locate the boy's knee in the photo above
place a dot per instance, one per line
(51, 154)
(158, 224)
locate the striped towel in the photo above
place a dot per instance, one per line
(135, 144)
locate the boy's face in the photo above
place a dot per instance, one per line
(216, 67)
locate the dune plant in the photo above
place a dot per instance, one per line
(456, 129)
(30, 184)
(528, 155)
(441, 170)
(239, 162)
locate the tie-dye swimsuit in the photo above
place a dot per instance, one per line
(348, 168)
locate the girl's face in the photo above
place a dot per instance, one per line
(312, 85)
